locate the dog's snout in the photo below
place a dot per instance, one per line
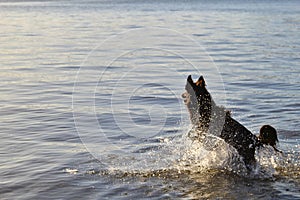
(186, 97)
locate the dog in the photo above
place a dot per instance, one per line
(207, 117)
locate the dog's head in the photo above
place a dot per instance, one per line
(198, 100)
(195, 91)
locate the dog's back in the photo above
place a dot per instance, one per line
(241, 139)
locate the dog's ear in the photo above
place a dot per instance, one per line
(190, 80)
(190, 85)
(201, 82)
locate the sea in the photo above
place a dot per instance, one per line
(91, 106)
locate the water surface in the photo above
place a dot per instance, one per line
(91, 106)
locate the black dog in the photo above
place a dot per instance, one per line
(207, 117)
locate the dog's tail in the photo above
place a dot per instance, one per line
(268, 136)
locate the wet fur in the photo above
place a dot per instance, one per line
(207, 117)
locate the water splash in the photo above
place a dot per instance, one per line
(178, 155)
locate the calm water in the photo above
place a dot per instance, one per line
(91, 107)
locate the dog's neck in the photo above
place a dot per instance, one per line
(206, 116)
